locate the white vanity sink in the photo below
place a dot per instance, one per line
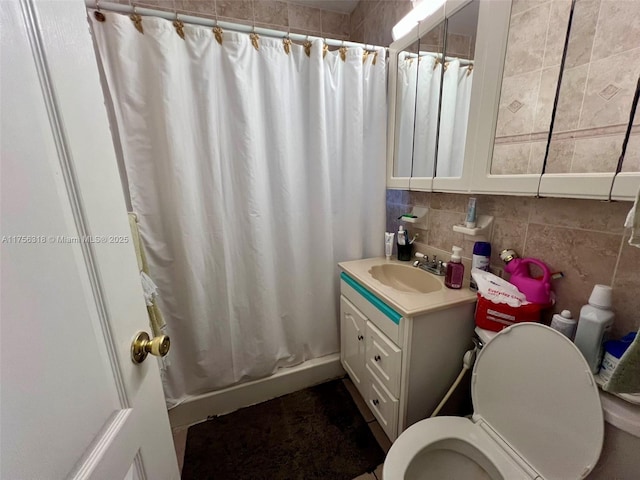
(405, 278)
(403, 335)
(405, 288)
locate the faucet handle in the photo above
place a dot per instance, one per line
(422, 256)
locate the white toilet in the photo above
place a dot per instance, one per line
(537, 415)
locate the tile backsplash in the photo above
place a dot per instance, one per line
(583, 239)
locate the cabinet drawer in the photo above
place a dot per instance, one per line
(383, 405)
(384, 359)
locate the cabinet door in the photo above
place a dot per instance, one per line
(596, 93)
(520, 108)
(455, 102)
(352, 331)
(627, 181)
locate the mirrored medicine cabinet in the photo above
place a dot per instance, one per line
(518, 98)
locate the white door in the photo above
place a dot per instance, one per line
(72, 403)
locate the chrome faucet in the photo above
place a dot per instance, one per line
(435, 266)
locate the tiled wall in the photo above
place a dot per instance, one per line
(583, 239)
(275, 14)
(372, 20)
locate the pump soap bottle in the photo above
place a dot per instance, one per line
(455, 270)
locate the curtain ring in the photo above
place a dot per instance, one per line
(217, 31)
(307, 46)
(98, 15)
(179, 26)
(343, 52)
(136, 18)
(286, 43)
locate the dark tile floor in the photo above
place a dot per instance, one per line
(180, 434)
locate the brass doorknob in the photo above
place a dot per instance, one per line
(142, 345)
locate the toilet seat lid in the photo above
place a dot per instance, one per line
(533, 387)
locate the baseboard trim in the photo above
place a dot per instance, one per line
(286, 380)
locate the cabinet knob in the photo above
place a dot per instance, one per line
(377, 358)
(375, 401)
(360, 337)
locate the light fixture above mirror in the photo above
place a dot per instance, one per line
(421, 10)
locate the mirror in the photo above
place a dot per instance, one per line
(430, 134)
(535, 45)
(460, 45)
(430, 70)
(406, 82)
(597, 89)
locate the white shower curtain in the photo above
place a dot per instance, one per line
(426, 127)
(253, 172)
(406, 79)
(417, 116)
(454, 114)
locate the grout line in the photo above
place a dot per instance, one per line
(586, 80)
(531, 8)
(591, 230)
(526, 237)
(546, 39)
(615, 269)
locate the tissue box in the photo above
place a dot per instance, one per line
(498, 316)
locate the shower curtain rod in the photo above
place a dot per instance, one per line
(206, 22)
(464, 62)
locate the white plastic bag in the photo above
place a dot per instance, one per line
(497, 289)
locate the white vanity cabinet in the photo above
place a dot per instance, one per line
(402, 365)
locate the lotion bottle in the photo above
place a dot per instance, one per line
(455, 270)
(481, 259)
(594, 324)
